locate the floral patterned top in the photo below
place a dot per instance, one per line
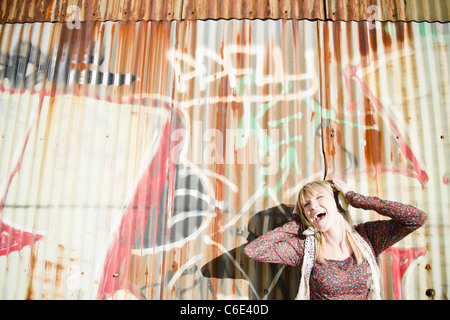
(340, 279)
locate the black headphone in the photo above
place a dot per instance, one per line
(341, 202)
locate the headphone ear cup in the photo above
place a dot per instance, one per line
(341, 203)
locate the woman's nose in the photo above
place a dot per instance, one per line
(314, 204)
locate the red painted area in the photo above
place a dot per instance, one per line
(15, 238)
(147, 195)
(401, 260)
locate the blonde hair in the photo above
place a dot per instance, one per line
(346, 221)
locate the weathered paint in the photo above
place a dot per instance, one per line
(138, 158)
(387, 10)
(157, 10)
(169, 10)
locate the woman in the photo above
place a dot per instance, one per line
(337, 259)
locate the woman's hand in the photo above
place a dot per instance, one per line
(342, 186)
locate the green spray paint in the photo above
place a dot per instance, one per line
(250, 123)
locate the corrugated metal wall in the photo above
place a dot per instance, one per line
(142, 148)
(168, 10)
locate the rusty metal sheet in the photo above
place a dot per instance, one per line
(388, 10)
(157, 10)
(138, 158)
(98, 10)
(253, 9)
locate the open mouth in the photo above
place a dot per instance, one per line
(319, 216)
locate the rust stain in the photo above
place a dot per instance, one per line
(373, 39)
(363, 41)
(409, 31)
(60, 267)
(400, 31)
(135, 274)
(30, 292)
(385, 36)
(47, 281)
(373, 137)
(337, 44)
(48, 10)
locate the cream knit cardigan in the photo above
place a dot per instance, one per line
(309, 260)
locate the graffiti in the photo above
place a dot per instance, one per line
(199, 184)
(148, 195)
(319, 115)
(205, 58)
(15, 238)
(254, 110)
(351, 72)
(269, 145)
(231, 265)
(403, 262)
(27, 67)
(212, 142)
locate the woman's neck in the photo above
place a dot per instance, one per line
(335, 244)
(335, 235)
